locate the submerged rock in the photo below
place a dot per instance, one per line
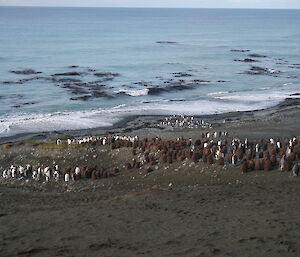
(245, 60)
(181, 74)
(29, 103)
(10, 82)
(174, 87)
(78, 91)
(97, 94)
(257, 56)
(166, 42)
(21, 81)
(92, 95)
(256, 70)
(66, 80)
(240, 50)
(200, 81)
(25, 72)
(82, 98)
(73, 73)
(294, 67)
(106, 74)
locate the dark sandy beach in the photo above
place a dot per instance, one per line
(209, 210)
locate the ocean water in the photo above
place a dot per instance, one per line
(141, 61)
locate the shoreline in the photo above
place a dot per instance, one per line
(138, 123)
(191, 208)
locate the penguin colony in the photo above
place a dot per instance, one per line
(211, 148)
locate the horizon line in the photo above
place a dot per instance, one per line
(145, 7)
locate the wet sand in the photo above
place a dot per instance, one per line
(208, 210)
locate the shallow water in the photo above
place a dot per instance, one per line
(155, 61)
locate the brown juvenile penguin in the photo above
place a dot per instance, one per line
(210, 159)
(267, 164)
(94, 176)
(169, 160)
(251, 165)
(244, 166)
(239, 154)
(258, 165)
(273, 160)
(221, 161)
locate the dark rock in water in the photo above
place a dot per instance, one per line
(29, 103)
(73, 73)
(256, 70)
(46, 78)
(97, 94)
(179, 87)
(160, 90)
(21, 81)
(294, 67)
(79, 91)
(96, 82)
(200, 81)
(67, 80)
(92, 84)
(181, 74)
(177, 100)
(8, 82)
(81, 84)
(107, 79)
(156, 90)
(30, 79)
(166, 42)
(106, 74)
(142, 83)
(73, 66)
(245, 60)
(94, 94)
(257, 56)
(82, 98)
(23, 104)
(74, 89)
(295, 94)
(240, 50)
(122, 93)
(25, 72)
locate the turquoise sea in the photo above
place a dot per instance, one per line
(78, 68)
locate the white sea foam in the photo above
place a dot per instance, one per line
(59, 121)
(138, 92)
(273, 97)
(218, 93)
(55, 122)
